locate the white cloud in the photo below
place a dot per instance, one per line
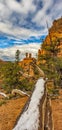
(42, 15)
(4, 12)
(56, 11)
(19, 32)
(8, 7)
(47, 5)
(9, 29)
(10, 52)
(22, 7)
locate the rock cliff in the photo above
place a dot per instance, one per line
(54, 34)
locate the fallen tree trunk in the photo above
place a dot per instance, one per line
(3, 94)
(17, 91)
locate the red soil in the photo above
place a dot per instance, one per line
(10, 111)
(57, 113)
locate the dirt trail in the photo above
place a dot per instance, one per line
(10, 111)
(57, 113)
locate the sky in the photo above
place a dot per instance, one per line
(23, 25)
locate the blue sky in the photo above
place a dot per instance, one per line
(23, 25)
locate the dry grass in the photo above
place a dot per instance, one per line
(10, 111)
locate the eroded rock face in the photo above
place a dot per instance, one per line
(26, 64)
(55, 33)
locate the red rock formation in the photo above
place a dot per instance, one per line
(26, 64)
(55, 33)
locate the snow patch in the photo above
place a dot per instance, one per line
(29, 120)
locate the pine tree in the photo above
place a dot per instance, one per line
(12, 73)
(17, 56)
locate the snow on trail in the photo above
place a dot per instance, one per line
(29, 120)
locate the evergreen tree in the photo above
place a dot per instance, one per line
(17, 56)
(12, 73)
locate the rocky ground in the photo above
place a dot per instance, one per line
(10, 111)
(57, 112)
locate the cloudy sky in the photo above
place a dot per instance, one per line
(23, 25)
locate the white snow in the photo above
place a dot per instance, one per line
(29, 120)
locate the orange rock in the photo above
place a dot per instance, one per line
(55, 32)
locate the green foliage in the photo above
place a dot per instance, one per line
(11, 76)
(53, 92)
(17, 56)
(52, 48)
(11, 96)
(10, 73)
(27, 85)
(53, 65)
(2, 102)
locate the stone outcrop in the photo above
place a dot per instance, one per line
(54, 34)
(26, 64)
